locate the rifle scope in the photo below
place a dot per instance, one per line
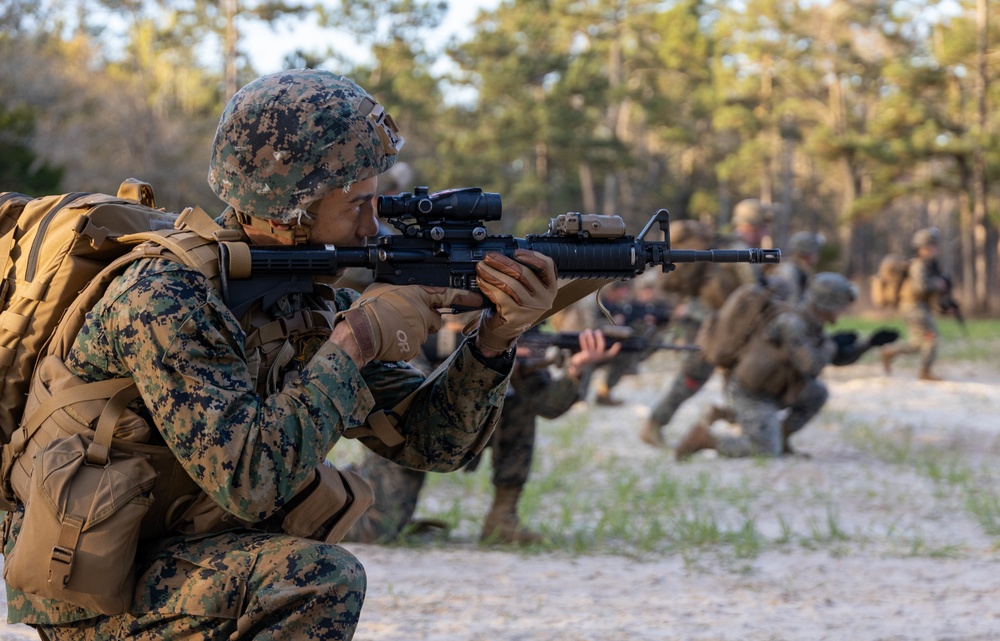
(468, 204)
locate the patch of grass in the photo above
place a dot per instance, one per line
(942, 465)
(976, 343)
(827, 530)
(985, 507)
(919, 548)
(895, 448)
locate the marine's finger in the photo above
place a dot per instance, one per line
(444, 297)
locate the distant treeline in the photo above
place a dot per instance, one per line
(862, 119)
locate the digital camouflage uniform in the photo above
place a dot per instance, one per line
(512, 444)
(758, 413)
(165, 326)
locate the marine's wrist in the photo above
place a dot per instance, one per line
(502, 361)
(344, 338)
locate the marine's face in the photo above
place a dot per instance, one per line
(346, 218)
(753, 235)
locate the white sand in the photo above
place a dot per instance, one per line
(917, 564)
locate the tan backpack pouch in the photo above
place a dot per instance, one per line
(762, 368)
(765, 368)
(334, 499)
(54, 387)
(52, 393)
(82, 520)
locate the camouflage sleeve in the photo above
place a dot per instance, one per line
(546, 396)
(808, 352)
(449, 420)
(165, 326)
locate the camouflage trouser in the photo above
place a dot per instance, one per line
(921, 335)
(620, 366)
(694, 373)
(513, 446)
(397, 488)
(760, 420)
(237, 585)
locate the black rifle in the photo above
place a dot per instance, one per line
(443, 236)
(945, 303)
(630, 341)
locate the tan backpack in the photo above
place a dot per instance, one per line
(50, 248)
(727, 332)
(888, 282)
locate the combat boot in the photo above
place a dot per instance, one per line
(651, 434)
(926, 374)
(604, 397)
(502, 525)
(699, 438)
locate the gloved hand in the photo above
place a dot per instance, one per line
(845, 339)
(390, 322)
(883, 337)
(521, 291)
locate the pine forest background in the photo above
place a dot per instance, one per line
(864, 120)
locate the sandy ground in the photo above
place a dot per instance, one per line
(914, 563)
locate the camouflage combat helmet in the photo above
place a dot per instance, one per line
(831, 292)
(290, 138)
(752, 212)
(806, 243)
(926, 237)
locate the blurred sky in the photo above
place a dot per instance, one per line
(268, 47)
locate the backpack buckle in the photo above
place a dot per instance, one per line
(61, 565)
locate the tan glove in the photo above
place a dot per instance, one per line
(390, 322)
(522, 290)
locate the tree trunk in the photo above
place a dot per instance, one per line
(984, 235)
(587, 189)
(231, 9)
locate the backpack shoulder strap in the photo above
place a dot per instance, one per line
(193, 242)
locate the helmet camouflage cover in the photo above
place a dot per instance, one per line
(291, 138)
(926, 237)
(831, 292)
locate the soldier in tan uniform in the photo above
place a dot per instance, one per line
(296, 158)
(751, 223)
(916, 296)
